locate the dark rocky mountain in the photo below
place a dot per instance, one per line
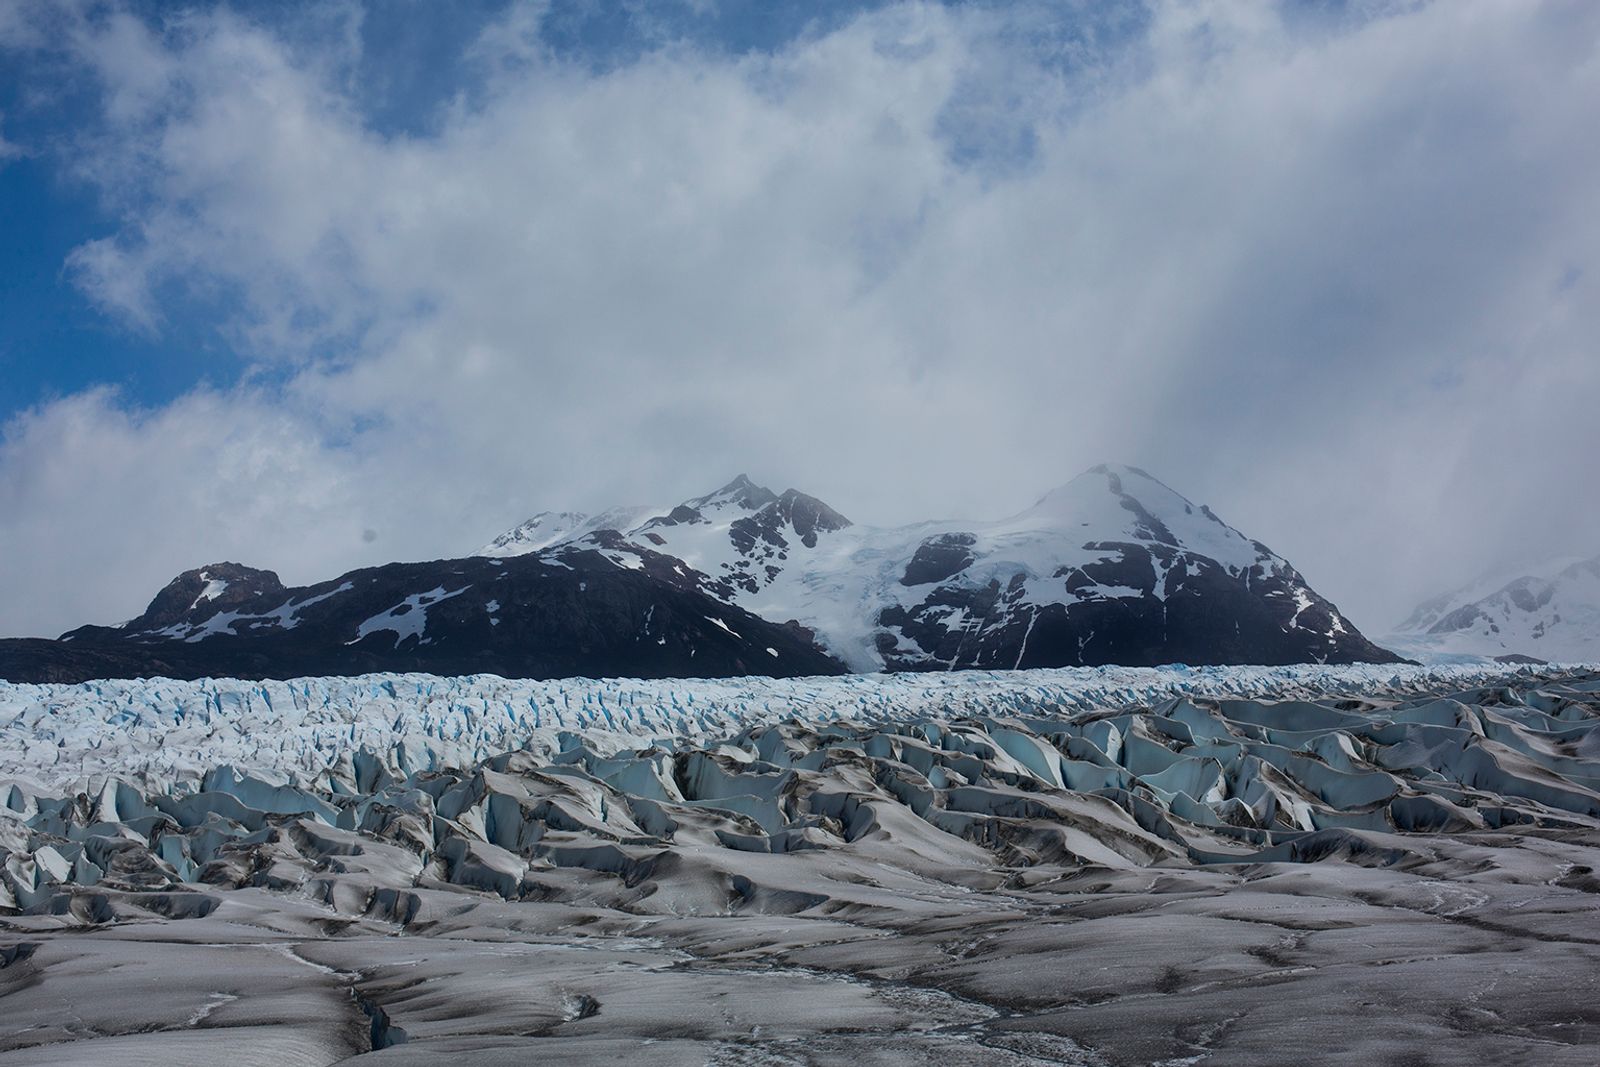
(519, 617)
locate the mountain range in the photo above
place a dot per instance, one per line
(1111, 568)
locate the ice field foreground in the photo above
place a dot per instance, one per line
(328, 733)
(1399, 868)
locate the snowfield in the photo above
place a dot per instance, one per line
(308, 731)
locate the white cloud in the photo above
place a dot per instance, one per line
(1334, 278)
(9, 150)
(117, 281)
(101, 501)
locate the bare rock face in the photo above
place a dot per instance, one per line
(939, 559)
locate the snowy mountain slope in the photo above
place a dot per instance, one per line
(1113, 567)
(527, 616)
(554, 527)
(1550, 612)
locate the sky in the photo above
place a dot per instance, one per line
(317, 286)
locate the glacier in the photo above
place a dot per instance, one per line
(1098, 867)
(308, 731)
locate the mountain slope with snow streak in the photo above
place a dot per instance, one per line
(523, 616)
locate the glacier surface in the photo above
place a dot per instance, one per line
(1347, 866)
(309, 731)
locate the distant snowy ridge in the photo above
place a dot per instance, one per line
(318, 731)
(1548, 611)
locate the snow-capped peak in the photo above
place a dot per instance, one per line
(1111, 503)
(741, 493)
(1109, 567)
